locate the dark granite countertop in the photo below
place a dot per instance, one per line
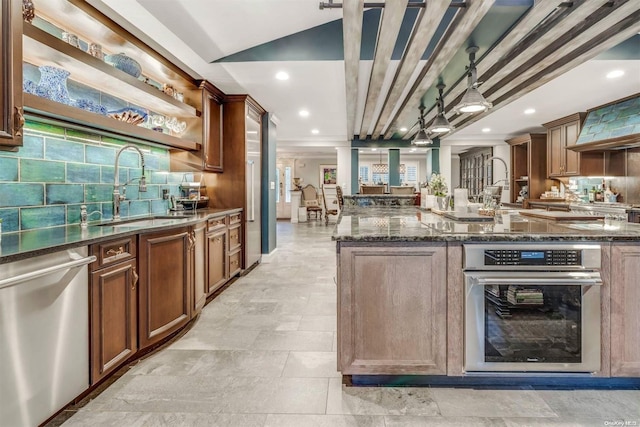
(411, 224)
(26, 244)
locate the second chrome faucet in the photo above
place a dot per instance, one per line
(117, 197)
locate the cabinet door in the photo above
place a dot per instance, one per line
(114, 306)
(392, 309)
(217, 255)
(572, 158)
(625, 315)
(212, 130)
(165, 291)
(199, 265)
(11, 112)
(555, 148)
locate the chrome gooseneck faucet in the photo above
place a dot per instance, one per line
(506, 172)
(117, 197)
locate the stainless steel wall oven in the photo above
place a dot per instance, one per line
(532, 307)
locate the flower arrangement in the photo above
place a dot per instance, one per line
(438, 185)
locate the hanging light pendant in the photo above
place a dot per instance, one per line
(472, 101)
(421, 137)
(440, 123)
(380, 167)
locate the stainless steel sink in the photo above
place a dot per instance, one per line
(146, 222)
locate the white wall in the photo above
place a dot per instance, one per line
(455, 171)
(309, 170)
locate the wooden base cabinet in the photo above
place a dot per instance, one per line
(165, 285)
(217, 255)
(114, 306)
(625, 310)
(389, 322)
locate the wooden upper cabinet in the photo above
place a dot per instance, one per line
(563, 133)
(11, 108)
(528, 165)
(212, 152)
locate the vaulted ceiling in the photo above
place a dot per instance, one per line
(362, 72)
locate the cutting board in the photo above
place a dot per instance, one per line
(560, 216)
(467, 216)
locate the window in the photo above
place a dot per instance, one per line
(364, 173)
(380, 177)
(287, 184)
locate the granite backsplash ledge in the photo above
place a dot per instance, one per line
(59, 169)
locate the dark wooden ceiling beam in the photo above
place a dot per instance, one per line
(458, 32)
(611, 35)
(352, 36)
(389, 28)
(421, 35)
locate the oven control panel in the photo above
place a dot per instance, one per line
(537, 257)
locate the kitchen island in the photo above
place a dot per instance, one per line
(401, 287)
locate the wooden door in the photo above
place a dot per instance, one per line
(217, 256)
(572, 158)
(114, 336)
(625, 312)
(199, 267)
(555, 148)
(392, 309)
(165, 294)
(11, 107)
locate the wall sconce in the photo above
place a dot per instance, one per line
(421, 137)
(472, 101)
(440, 123)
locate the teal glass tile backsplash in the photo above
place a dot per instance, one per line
(57, 170)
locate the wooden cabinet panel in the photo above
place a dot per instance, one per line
(392, 310)
(235, 265)
(561, 134)
(113, 251)
(528, 154)
(625, 315)
(199, 267)
(217, 260)
(235, 237)
(114, 337)
(11, 108)
(212, 149)
(165, 294)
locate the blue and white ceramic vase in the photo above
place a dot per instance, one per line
(124, 63)
(53, 84)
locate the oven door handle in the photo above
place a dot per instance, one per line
(560, 279)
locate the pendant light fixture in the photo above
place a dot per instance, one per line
(440, 123)
(472, 101)
(421, 137)
(380, 167)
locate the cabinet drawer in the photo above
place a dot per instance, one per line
(215, 223)
(235, 239)
(235, 218)
(113, 251)
(234, 262)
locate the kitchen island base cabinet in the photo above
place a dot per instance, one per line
(165, 286)
(625, 310)
(392, 309)
(217, 253)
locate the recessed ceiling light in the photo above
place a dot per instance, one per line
(303, 113)
(403, 129)
(373, 149)
(615, 74)
(530, 111)
(360, 151)
(336, 148)
(413, 149)
(282, 75)
(485, 130)
(315, 131)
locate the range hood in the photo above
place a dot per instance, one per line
(613, 126)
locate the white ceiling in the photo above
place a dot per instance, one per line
(194, 32)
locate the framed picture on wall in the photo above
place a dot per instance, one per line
(328, 174)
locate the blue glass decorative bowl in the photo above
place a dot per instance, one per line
(124, 63)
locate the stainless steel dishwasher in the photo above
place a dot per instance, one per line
(44, 335)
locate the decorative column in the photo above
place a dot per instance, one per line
(394, 167)
(296, 201)
(344, 169)
(355, 172)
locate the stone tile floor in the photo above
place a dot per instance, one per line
(263, 353)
